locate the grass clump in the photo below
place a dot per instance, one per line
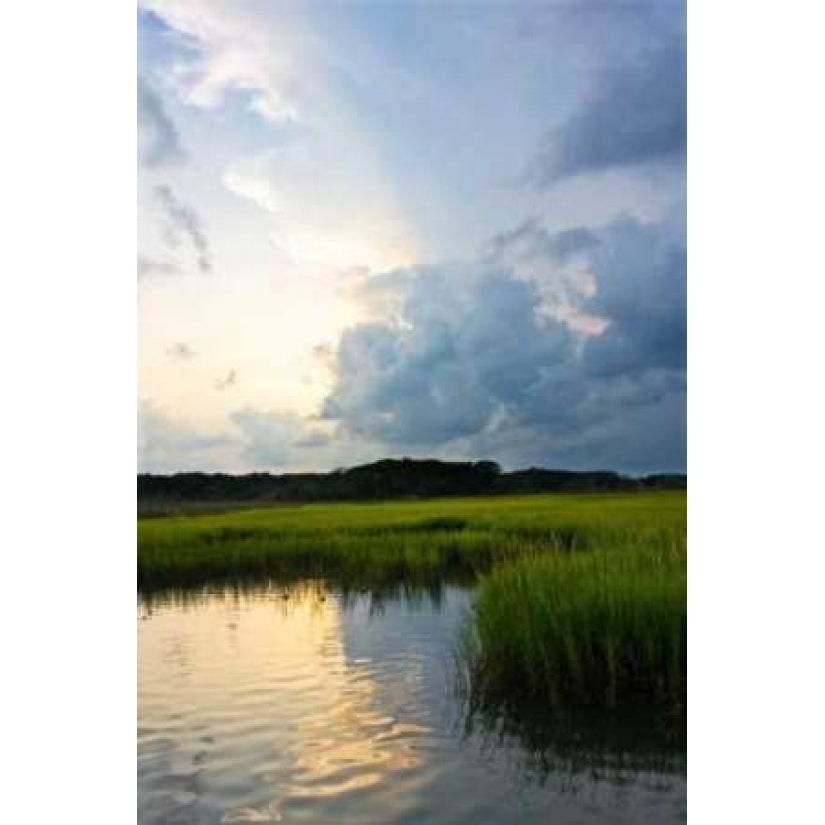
(598, 628)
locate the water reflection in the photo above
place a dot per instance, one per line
(299, 592)
(301, 703)
(570, 750)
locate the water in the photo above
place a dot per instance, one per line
(301, 705)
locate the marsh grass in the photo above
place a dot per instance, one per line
(581, 600)
(417, 542)
(605, 627)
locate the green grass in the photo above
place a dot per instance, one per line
(600, 628)
(454, 539)
(581, 601)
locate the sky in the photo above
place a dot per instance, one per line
(371, 229)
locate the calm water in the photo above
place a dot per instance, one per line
(321, 708)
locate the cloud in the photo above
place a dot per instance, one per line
(649, 437)
(241, 48)
(182, 220)
(635, 114)
(473, 358)
(324, 179)
(152, 266)
(314, 438)
(181, 351)
(556, 263)
(641, 271)
(229, 381)
(646, 435)
(158, 140)
(273, 440)
(464, 349)
(565, 344)
(558, 246)
(254, 439)
(166, 444)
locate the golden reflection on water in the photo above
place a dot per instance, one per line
(293, 704)
(267, 676)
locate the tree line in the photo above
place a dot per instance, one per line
(388, 479)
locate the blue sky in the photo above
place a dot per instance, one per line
(425, 229)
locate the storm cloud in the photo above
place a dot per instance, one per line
(636, 113)
(475, 355)
(463, 349)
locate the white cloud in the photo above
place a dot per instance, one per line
(322, 181)
(167, 443)
(240, 50)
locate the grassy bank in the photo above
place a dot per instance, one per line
(412, 542)
(605, 627)
(581, 601)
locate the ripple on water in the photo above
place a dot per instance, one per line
(260, 709)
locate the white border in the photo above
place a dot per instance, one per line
(67, 321)
(755, 413)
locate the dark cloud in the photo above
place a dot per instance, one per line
(636, 113)
(639, 437)
(642, 290)
(463, 350)
(182, 220)
(645, 438)
(475, 356)
(601, 28)
(158, 140)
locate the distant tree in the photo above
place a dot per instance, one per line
(388, 478)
